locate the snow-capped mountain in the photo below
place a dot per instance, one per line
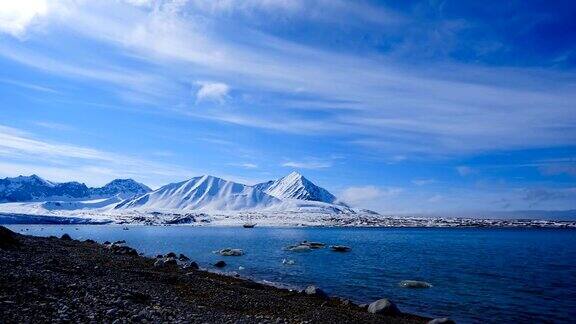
(295, 186)
(34, 188)
(125, 188)
(205, 193)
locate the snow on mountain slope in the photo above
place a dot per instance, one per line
(202, 193)
(34, 188)
(295, 186)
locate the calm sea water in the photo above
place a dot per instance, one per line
(478, 275)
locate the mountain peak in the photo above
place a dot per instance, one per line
(296, 186)
(294, 175)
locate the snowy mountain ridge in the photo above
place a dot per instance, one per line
(35, 188)
(202, 193)
(289, 201)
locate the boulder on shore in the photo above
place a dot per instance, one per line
(315, 291)
(65, 237)
(220, 264)
(191, 266)
(383, 306)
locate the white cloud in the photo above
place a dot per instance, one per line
(369, 195)
(435, 198)
(245, 165)
(17, 15)
(212, 91)
(249, 165)
(307, 164)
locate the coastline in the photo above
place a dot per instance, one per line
(53, 279)
(192, 220)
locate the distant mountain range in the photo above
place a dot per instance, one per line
(34, 188)
(204, 193)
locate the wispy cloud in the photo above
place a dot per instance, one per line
(246, 165)
(22, 153)
(539, 196)
(307, 164)
(53, 125)
(567, 167)
(423, 182)
(369, 195)
(28, 85)
(382, 104)
(465, 170)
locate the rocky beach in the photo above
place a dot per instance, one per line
(65, 280)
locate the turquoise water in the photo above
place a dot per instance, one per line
(478, 275)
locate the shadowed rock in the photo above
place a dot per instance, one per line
(8, 238)
(383, 306)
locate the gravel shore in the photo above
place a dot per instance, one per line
(64, 280)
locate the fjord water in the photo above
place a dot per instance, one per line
(478, 275)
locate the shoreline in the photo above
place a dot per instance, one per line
(39, 277)
(27, 219)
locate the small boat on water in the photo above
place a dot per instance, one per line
(249, 225)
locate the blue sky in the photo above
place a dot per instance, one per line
(398, 106)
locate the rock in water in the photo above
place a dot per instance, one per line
(231, 252)
(414, 284)
(340, 248)
(383, 306)
(315, 291)
(444, 320)
(299, 248)
(182, 257)
(7, 238)
(66, 237)
(220, 264)
(313, 245)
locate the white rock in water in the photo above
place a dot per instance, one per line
(299, 248)
(288, 262)
(230, 252)
(414, 284)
